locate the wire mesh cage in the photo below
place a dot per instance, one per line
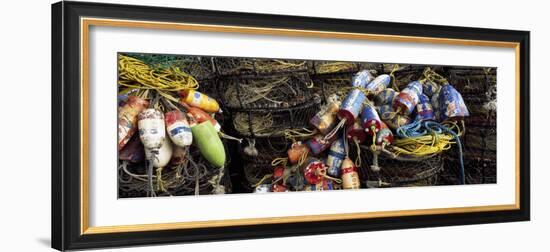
(400, 171)
(273, 122)
(258, 66)
(267, 92)
(478, 88)
(191, 177)
(257, 156)
(331, 67)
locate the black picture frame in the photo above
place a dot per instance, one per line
(66, 153)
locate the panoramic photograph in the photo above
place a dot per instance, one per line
(202, 125)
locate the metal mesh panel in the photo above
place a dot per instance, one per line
(243, 66)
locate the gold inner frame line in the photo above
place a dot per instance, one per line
(86, 23)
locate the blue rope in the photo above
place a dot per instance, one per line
(435, 125)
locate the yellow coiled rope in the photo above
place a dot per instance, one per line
(422, 145)
(134, 74)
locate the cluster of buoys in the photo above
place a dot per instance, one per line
(369, 115)
(166, 132)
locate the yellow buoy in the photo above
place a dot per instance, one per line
(199, 100)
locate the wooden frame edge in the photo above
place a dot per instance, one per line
(84, 192)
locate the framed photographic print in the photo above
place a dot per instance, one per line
(179, 125)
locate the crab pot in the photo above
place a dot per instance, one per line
(351, 106)
(405, 102)
(255, 66)
(272, 122)
(332, 67)
(404, 171)
(184, 185)
(266, 91)
(379, 84)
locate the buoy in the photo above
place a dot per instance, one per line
(162, 156)
(318, 144)
(392, 119)
(335, 157)
(370, 120)
(178, 128)
(209, 143)
(200, 116)
(263, 188)
(385, 97)
(384, 136)
(278, 188)
(451, 104)
(351, 106)
(361, 79)
(313, 172)
(378, 85)
(128, 118)
(152, 130)
(356, 132)
(405, 102)
(424, 109)
(429, 88)
(296, 151)
(133, 151)
(324, 185)
(350, 177)
(179, 155)
(199, 100)
(325, 120)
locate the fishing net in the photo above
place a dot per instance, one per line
(255, 66)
